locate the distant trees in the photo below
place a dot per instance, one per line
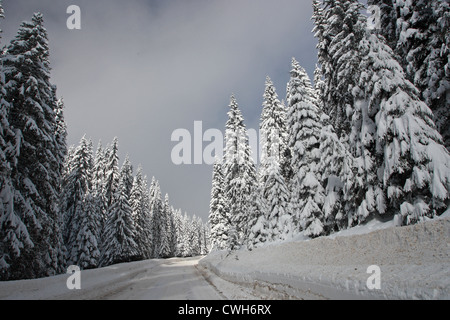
(134, 224)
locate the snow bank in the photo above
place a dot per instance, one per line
(414, 263)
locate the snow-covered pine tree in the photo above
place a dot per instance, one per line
(14, 236)
(87, 240)
(259, 226)
(338, 169)
(127, 173)
(273, 131)
(339, 28)
(195, 236)
(156, 208)
(239, 175)
(272, 125)
(119, 234)
(218, 218)
(423, 48)
(140, 204)
(179, 229)
(165, 230)
(76, 185)
(276, 195)
(98, 181)
(186, 236)
(61, 131)
(413, 165)
(204, 249)
(304, 127)
(35, 173)
(112, 172)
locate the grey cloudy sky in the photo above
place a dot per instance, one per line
(140, 69)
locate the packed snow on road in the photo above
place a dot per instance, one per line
(413, 263)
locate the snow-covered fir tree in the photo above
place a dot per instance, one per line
(156, 209)
(423, 50)
(165, 230)
(98, 183)
(239, 175)
(14, 236)
(126, 171)
(35, 175)
(414, 166)
(258, 221)
(218, 217)
(304, 127)
(88, 238)
(140, 205)
(112, 172)
(76, 185)
(339, 28)
(339, 179)
(119, 234)
(272, 125)
(276, 197)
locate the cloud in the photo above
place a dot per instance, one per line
(141, 69)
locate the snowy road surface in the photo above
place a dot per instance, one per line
(173, 279)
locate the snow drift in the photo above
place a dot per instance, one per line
(414, 263)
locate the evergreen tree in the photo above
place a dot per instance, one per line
(127, 172)
(339, 178)
(98, 183)
(119, 245)
(414, 175)
(240, 174)
(272, 125)
(165, 230)
(77, 184)
(423, 48)
(111, 172)
(259, 225)
(87, 240)
(277, 203)
(140, 204)
(339, 28)
(14, 236)
(156, 208)
(304, 127)
(35, 170)
(218, 218)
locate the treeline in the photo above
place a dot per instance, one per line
(61, 206)
(359, 143)
(112, 215)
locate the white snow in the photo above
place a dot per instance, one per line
(414, 263)
(172, 279)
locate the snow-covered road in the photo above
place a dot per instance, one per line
(172, 279)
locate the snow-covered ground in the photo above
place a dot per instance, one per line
(414, 263)
(172, 279)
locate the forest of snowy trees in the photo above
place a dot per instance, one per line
(112, 215)
(63, 206)
(366, 139)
